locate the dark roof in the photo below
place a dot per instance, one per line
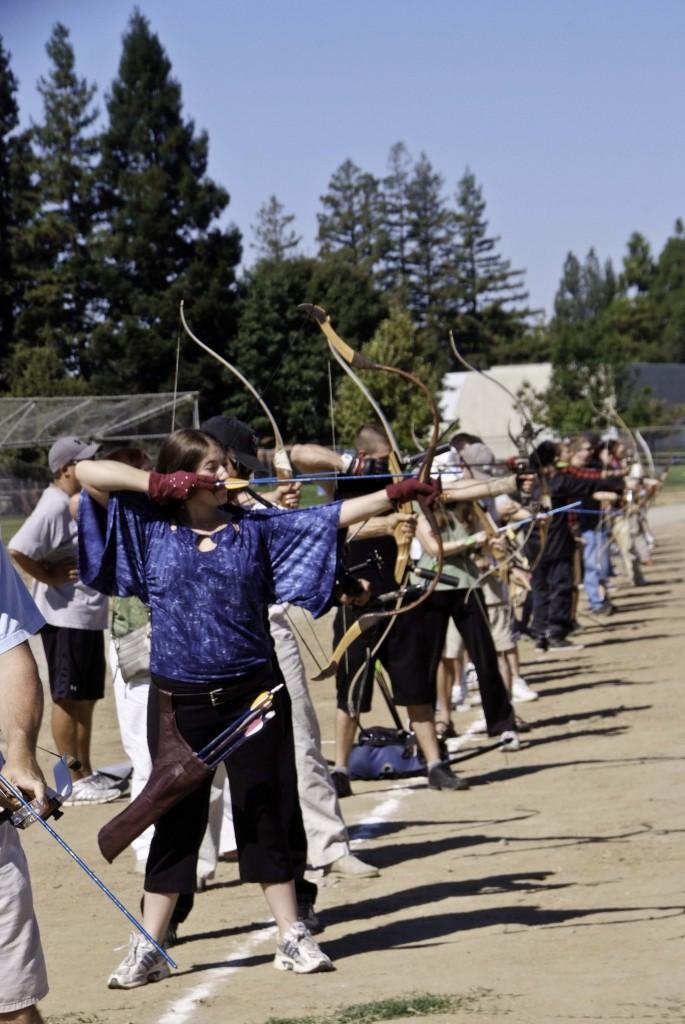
(666, 380)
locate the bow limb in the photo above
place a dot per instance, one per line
(284, 470)
(523, 442)
(639, 443)
(345, 356)
(358, 361)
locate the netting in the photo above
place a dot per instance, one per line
(35, 423)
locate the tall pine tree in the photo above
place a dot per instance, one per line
(350, 221)
(428, 239)
(53, 322)
(487, 296)
(18, 204)
(585, 373)
(394, 272)
(9, 119)
(157, 241)
(276, 239)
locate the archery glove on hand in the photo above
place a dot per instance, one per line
(411, 489)
(178, 486)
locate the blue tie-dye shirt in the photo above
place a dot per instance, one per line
(209, 608)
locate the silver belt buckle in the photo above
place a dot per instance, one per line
(215, 697)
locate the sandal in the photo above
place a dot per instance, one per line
(444, 730)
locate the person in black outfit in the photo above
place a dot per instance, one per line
(550, 547)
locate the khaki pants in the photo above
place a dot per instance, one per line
(22, 966)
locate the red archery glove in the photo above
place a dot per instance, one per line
(411, 488)
(178, 485)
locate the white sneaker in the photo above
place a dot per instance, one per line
(521, 691)
(509, 740)
(478, 725)
(141, 965)
(104, 781)
(349, 866)
(298, 952)
(471, 676)
(459, 698)
(88, 791)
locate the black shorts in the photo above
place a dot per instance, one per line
(403, 648)
(76, 662)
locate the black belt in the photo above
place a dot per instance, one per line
(242, 686)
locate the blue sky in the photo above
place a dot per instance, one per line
(569, 113)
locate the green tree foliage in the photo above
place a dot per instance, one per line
(350, 221)
(638, 266)
(18, 201)
(51, 252)
(284, 355)
(156, 241)
(667, 296)
(394, 272)
(276, 240)
(429, 226)
(393, 344)
(584, 376)
(488, 300)
(39, 370)
(9, 119)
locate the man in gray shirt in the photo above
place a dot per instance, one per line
(45, 548)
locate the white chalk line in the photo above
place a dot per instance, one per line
(186, 1005)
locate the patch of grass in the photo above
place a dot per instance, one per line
(310, 494)
(75, 1018)
(9, 526)
(416, 1004)
(675, 476)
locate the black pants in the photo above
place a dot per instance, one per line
(552, 590)
(471, 619)
(270, 836)
(408, 686)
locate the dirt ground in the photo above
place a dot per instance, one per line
(552, 890)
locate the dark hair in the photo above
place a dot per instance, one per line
(545, 454)
(461, 439)
(185, 449)
(136, 457)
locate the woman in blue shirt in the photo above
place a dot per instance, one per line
(208, 569)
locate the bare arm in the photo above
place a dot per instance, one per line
(429, 542)
(55, 574)
(384, 526)
(353, 510)
(21, 709)
(314, 458)
(104, 476)
(474, 490)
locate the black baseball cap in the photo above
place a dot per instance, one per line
(238, 437)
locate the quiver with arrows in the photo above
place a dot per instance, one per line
(177, 771)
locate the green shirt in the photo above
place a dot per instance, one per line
(128, 613)
(459, 567)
